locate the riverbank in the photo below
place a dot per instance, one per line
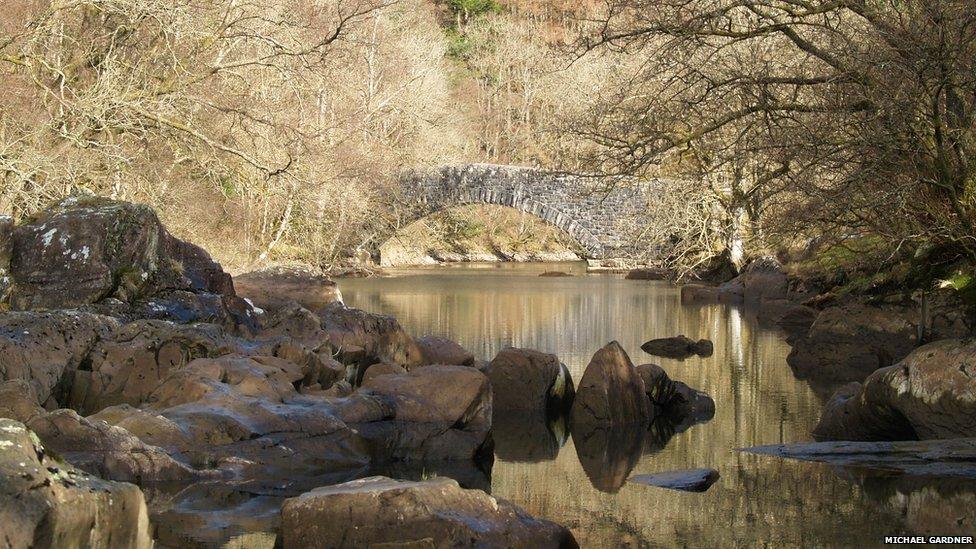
(134, 357)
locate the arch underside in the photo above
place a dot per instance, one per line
(592, 246)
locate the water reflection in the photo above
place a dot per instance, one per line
(528, 437)
(580, 482)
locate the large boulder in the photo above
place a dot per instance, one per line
(611, 391)
(438, 350)
(440, 412)
(379, 511)
(45, 502)
(364, 339)
(931, 394)
(382, 369)
(848, 342)
(84, 250)
(763, 278)
(795, 319)
(530, 381)
(44, 349)
(275, 287)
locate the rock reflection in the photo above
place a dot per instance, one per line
(210, 514)
(931, 506)
(608, 454)
(528, 437)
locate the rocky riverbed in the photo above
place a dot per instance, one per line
(141, 384)
(131, 360)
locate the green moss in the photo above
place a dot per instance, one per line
(963, 282)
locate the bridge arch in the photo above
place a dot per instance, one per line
(605, 222)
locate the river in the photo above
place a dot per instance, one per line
(757, 501)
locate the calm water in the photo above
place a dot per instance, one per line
(758, 501)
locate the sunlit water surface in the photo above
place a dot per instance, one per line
(757, 501)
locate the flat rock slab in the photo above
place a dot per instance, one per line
(951, 457)
(690, 480)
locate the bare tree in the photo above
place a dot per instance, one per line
(827, 117)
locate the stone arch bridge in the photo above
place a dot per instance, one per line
(607, 223)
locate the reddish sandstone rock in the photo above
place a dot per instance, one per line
(369, 338)
(44, 349)
(437, 350)
(45, 502)
(611, 391)
(440, 412)
(84, 250)
(849, 342)
(273, 288)
(382, 369)
(107, 451)
(380, 511)
(529, 380)
(128, 365)
(931, 394)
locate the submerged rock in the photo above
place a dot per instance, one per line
(691, 480)
(611, 391)
(555, 274)
(926, 458)
(930, 394)
(438, 350)
(45, 502)
(379, 511)
(530, 381)
(849, 342)
(679, 347)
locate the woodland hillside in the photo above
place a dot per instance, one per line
(833, 134)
